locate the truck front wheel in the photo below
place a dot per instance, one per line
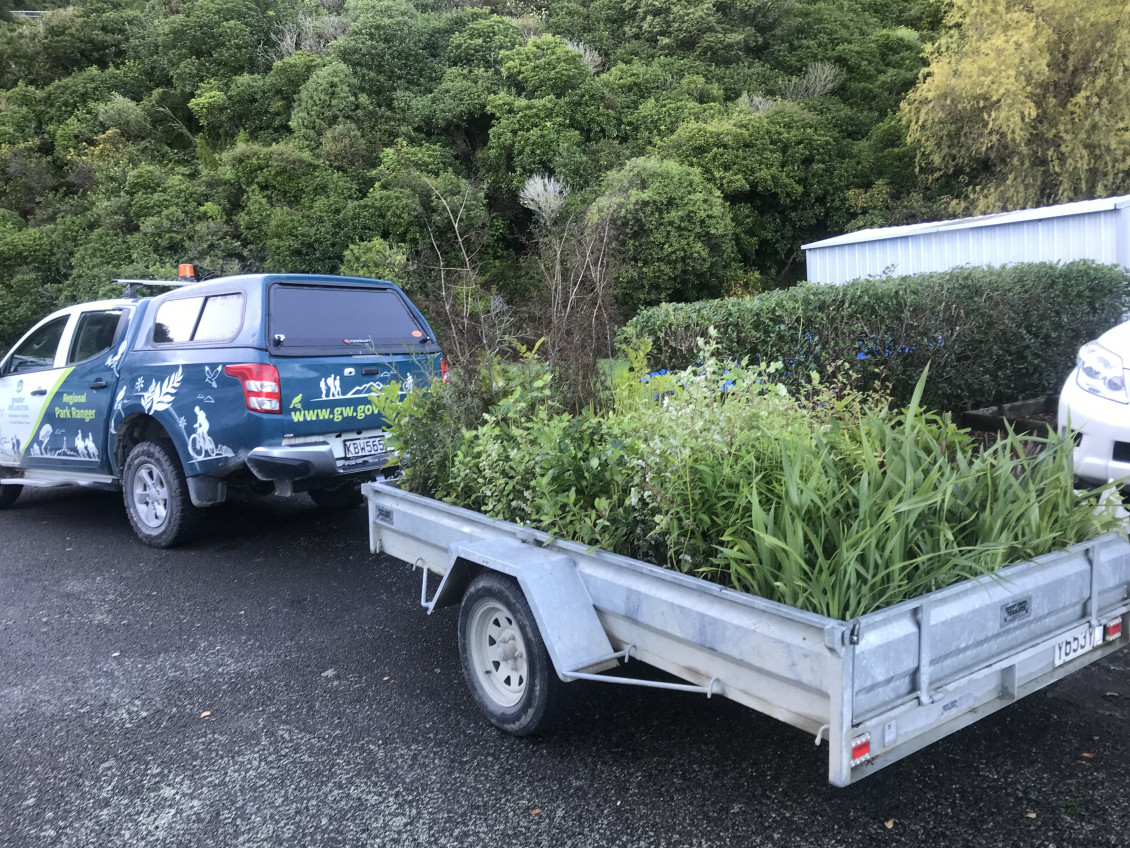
(507, 666)
(156, 496)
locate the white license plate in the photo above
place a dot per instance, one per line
(361, 448)
(1078, 641)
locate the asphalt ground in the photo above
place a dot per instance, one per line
(276, 685)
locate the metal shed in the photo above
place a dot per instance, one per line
(1087, 229)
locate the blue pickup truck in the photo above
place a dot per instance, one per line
(259, 382)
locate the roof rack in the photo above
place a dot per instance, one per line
(131, 285)
(187, 275)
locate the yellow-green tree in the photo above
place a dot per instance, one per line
(1027, 102)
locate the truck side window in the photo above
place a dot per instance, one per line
(199, 319)
(95, 334)
(37, 352)
(176, 320)
(221, 319)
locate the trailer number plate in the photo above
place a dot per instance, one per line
(1077, 642)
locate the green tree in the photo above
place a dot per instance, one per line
(1027, 100)
(672, 233)
(784, 173)
(387, 49)
(691, 99)
(555, 110)
(331, 95)
(458, 110)
(718, 31)
(380, 260)
(213, 39)
(96, 33)
(481, 42)
(25, 267)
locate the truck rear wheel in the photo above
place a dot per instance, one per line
(156, 496)
(505, 661)
(344, 497)
(8, 495)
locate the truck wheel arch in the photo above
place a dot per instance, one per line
(139, 427)
(134, 430)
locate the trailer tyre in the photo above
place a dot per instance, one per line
(505, 661)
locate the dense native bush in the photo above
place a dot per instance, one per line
(397, 136)
(989, 335)
(824, 499)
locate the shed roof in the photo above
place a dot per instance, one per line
(1080, 207)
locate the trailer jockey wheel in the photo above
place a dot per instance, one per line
(505, 661)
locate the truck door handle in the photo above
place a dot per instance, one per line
(38, 392)
(99, 384)
(369, 370)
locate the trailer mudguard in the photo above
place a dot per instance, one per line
(561, 605)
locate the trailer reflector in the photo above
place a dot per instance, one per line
(860, 749)
(1113, 629)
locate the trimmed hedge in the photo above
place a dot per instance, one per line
(989, 335)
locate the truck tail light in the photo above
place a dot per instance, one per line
(1113, 629)
(261, 390)
(444, 371)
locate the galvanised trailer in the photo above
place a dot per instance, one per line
(538, 612)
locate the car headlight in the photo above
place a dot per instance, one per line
(1100, 372)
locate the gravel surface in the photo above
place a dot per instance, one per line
(275, 685)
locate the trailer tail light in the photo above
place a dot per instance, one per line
(1113, 629)
(261, 390)
(860, 749)
(444, 371)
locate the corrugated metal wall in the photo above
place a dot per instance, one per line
(1102, 236)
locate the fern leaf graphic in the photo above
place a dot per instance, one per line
(168, 391)
(150, 397)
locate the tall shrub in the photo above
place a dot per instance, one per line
(989, 335)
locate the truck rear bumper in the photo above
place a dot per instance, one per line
(292, 462)
(306, 462)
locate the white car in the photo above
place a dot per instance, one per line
(1095, 404)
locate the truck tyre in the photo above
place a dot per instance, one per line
(344, 497)
(8, 495)
(156, 496)
(504, 659)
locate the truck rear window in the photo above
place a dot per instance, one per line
(330, 319)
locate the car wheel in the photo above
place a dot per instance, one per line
(8, 495)
(344, 497)
(507, 666)
(156, 496)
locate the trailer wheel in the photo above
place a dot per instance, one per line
(505, 661)
(156, 496)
